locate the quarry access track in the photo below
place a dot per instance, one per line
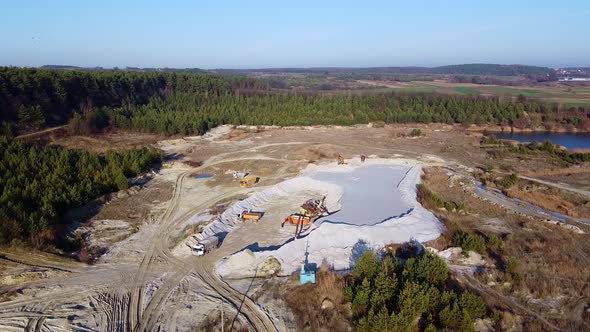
(139, 319)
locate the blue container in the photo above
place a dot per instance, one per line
(306, 276)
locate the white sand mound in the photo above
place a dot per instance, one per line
(245, 264)
(340, 238)
(258, 201)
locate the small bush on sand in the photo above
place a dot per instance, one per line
(495, 243)
(416, 133)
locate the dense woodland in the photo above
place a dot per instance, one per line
(409, 293)
(39, 184)
(31, 98)
(175, 103)
(194, 114)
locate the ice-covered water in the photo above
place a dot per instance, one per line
(375, 205)
(370, 195)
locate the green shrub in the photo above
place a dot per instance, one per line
(427, 268)
(416, 133)
(495, 243)
(428, 198)
(511, 264)
(508, 181)
(454, 206)
(468, 241)
(472, 304)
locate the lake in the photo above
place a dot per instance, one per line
(568, 140)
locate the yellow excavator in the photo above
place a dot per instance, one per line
(309, 211)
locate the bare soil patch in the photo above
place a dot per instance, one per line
(101, 143)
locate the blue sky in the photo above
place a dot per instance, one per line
(248, 34)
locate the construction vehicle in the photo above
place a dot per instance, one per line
(251, 215)
(309, 211)
(248, 181)
(238, 174)
(313, 207)
(201, 247)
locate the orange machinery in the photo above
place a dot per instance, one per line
(308, 213)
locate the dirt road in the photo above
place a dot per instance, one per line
(558, 185)
(40, 132)
(145, 320)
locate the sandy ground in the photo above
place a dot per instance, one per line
(147, 279)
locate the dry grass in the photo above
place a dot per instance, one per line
(305, 302)
(193, 163)
(7, 296)
(548, 262)
(553, 199)
(546, 201)
(100, 143)
(585, 168)
(213, 322)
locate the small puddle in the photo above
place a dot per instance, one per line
(202, 176)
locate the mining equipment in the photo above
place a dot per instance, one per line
(251, 215)
(309, 211)
(201, 247)
(248, 181)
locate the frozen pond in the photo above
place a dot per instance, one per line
(370, 194)
(374, 205)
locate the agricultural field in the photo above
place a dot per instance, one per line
(558, 93)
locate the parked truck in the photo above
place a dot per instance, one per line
(248, 181)
(201, 247)
(251, 215)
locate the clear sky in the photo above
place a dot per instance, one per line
(248, 34)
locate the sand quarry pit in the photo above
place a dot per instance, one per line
(371, 204)
(151, 278)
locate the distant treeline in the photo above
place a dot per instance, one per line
(174, 103)
(147, 69)
(39, 184)
(35, 98)
(466, 69)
